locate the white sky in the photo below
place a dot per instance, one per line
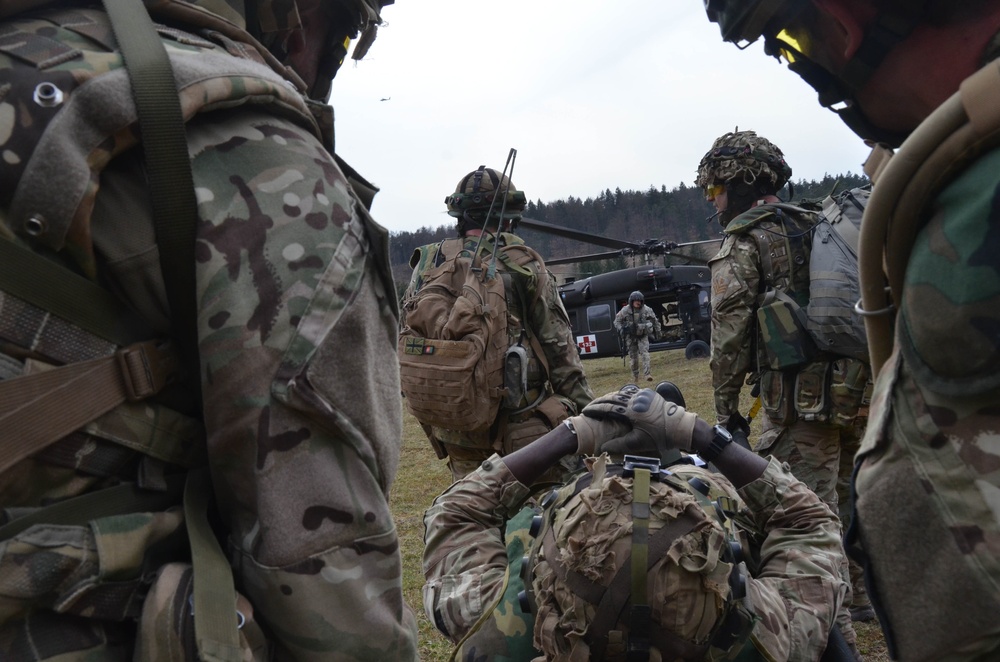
(593, 95)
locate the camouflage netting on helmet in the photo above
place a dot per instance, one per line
(687, 589)
(745, 157)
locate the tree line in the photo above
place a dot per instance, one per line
(678, 215)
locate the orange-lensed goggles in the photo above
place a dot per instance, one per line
(712, 191)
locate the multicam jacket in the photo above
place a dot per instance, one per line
(296, 318)
(795, 592)
(533, 304)
(636, 324)
(764, 248)
(929, 465)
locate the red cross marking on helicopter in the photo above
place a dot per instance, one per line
(587, 344)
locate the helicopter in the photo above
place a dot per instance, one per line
(679, 294)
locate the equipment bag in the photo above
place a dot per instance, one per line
(834, 288)
(453, 343)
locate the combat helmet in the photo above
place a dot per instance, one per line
(636, 296)
(789, 30)
(271, 22)
(687, 600)
(486, 192)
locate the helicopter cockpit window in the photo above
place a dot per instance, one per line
(599, 318)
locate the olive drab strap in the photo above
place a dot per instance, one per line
(171, 184)
(40, 408)
(57, 290)
(175, 217)
(216, 619)
(957, 132)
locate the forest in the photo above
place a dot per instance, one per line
(679, 215)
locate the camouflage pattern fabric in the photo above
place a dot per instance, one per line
(300, 409)
(759, 253)
(929, 471)
(528, 284)
(465, 560)
(744, 156)
(637, 327)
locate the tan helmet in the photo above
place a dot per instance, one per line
(744, 157)
(586, 601)
(482, 191)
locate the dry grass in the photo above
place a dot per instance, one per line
(422, 477)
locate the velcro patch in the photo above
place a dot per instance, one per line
(417, 347)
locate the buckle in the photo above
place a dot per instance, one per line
(146, 367)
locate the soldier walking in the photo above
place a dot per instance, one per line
(636, 323)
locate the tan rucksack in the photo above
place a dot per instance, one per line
(452, 344)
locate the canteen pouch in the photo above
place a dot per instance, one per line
(515, 376)
(775, 397)
(781, 324)
(811, 389)
(166, 627)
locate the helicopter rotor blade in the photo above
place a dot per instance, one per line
(578, 235)
(583, 258)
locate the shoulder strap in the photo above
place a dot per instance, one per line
(171, 184)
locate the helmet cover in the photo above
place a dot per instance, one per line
(477, 192)
(636, 296)
(743, 156)
(688, 587)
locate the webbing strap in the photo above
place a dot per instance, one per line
(171, 184)
(617, 593)
(639, 615)
(117, 500)
(53, 288)
(215, 616)
(41, 408)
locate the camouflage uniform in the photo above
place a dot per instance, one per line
(636, 328)
(928, 477)
(794, 593)
(765, 249)
(302, 436)
(533, 302)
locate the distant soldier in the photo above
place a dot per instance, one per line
(636, 323)
(765, 256)
(927, 475)
(537, 323)
(518, 583)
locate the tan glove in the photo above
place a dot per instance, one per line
(656, 425)
(605, 419)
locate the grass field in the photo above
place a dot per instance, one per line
(422, 477)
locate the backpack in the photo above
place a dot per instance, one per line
(792, 333)
(834, 286)
(453, 341)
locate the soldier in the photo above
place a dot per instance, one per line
(765, 256)
(284, 268)
(636, 323)
(925, 477)
(581, 600)
(537, 322)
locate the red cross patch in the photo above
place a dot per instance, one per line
(587, 344)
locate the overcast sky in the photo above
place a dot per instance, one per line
(593, 95)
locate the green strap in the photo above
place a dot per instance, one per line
(64, 293)
(640, 536)
(118, 500)
(215, 615)
(171, 184)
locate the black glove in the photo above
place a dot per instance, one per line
(739, 427)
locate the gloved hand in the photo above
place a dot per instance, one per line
(605, 420)
(657, 425)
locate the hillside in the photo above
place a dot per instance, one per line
(679, 215)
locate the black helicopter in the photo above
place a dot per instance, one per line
(679, 294)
